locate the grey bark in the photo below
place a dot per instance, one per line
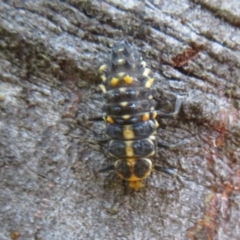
(50, 187)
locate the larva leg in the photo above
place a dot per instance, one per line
(174, 114)
(172, 146)
(102, 141)
(107, 169)
(96, 119)
(169, 171)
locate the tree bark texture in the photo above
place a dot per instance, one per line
(50, 185)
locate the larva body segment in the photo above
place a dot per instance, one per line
(129, 113)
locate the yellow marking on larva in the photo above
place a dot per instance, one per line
(103, 77)
(122, 90)
(128, 149)
(123, 104)
(154, 114)
(150, 97)
(126, 117)
(114, 81)
(144, 64)
(152, 137)
(120, 50)
(121, 74)
(146, 72)
(110, 119)
(103, 68)
(133, 178)
(149, 82)
(102, 87)
(128, 79)
(131, 161)
(121, 61)
(156, 123)
(136, 184)
(145, 117)
(128, 132)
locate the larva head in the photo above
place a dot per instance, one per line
(125, 69)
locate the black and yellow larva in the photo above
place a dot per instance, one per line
(130, 114)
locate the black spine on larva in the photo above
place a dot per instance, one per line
(129, 112)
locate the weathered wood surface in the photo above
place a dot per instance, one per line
(50, 187)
